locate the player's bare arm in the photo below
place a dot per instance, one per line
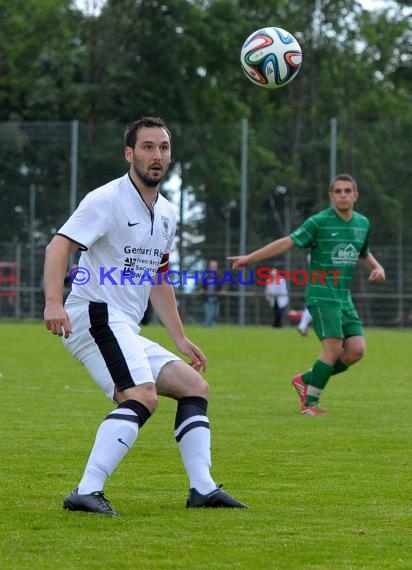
(377, 272)
(57, 255)
(272, 249)
(162, 297)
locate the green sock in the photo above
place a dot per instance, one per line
(338, 367)
(307, 376)
(320, 374)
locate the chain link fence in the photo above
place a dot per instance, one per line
(387, 305)
(47, 168)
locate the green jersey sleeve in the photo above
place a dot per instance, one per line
(305, 235)
(365, 249)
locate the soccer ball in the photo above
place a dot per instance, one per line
(271, 57)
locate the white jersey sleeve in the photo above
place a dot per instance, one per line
(89, 221)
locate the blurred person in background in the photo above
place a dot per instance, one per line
(211, 291)
(305, 320)
(277, 295)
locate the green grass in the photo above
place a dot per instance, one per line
(328, 492)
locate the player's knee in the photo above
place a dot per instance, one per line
(202, 388)
(356, 354)
(179, 380)
(145, 393)
(331, 355)
(150, 401)
(195, 385)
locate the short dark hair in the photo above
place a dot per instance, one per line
(130, 134)
(346, 177)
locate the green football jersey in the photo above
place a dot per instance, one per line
(335, 247)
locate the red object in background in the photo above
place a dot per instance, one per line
(294, 317)
(8, 281)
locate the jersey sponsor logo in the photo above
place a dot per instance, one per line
(130, 224)
(344, 254)
(142, 250)
(165, 227)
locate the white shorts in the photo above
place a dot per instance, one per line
(109, 345)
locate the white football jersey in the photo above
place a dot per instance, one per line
(123, 244)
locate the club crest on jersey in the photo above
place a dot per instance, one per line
(165, 227)
(344, 254)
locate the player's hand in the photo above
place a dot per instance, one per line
(57, 320)
(239, 261)
(197, 359)
(377, 275)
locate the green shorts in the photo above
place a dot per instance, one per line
(335, 322)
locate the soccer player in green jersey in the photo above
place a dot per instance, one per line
(337, 237)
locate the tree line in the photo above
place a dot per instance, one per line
(114, 61)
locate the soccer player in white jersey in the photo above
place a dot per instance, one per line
(124, 231)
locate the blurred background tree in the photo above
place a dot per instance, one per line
(113, 61)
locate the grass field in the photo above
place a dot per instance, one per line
(328, 492)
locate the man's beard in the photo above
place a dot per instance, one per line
(145, 178)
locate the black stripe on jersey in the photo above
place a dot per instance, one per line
(108, 346)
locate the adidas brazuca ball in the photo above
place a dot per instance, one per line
(271, 57)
